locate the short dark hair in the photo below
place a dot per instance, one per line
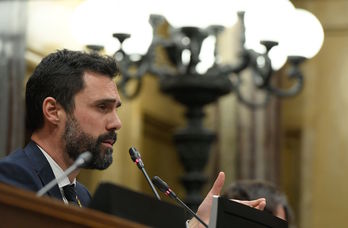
(60, 75)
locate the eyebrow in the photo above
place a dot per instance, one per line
(109, 100)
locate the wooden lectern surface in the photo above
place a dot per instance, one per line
(20, 208)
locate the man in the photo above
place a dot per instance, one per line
(71, 104)
(71, 107)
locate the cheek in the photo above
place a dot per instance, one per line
(90, 123)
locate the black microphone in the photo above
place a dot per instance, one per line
(135, 156)
(163, 187)
(81, 160)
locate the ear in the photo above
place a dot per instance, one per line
(52, 110)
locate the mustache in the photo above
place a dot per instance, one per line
(108, 136)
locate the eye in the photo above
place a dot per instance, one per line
(102, 107)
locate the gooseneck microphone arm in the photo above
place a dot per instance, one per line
(163, 187)
(136, 157)
(81, 160)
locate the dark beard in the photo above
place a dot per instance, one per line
(77, 142)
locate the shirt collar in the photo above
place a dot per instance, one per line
(57, 170)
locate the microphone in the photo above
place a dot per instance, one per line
(163, 187)
(135, 156)
(81, 160)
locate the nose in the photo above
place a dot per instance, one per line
(114, 122)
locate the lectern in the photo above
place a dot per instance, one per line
(149, 211)
(134, 206)
(20, 208)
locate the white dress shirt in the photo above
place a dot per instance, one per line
(57, 171)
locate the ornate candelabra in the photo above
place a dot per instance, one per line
(180, 79)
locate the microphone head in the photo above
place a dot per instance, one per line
(134, 154)
(83, 159)
(136, 157)
(160, 184)
(163, 187)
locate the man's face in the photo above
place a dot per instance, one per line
(93, 124)
(78, 141)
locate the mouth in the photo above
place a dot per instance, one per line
(109, 142)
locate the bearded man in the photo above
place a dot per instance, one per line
(71, 107)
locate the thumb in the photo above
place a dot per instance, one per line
(218, 184)
(205, 207)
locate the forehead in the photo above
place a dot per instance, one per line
(98, 86)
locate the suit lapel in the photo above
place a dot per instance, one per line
(42, 168)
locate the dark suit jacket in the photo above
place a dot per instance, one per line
(29, 169)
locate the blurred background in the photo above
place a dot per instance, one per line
(298, 141)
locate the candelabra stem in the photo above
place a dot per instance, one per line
(193, 142)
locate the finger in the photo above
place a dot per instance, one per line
(205, 207)
(218, 184)
(258, 203)
(261, 206)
